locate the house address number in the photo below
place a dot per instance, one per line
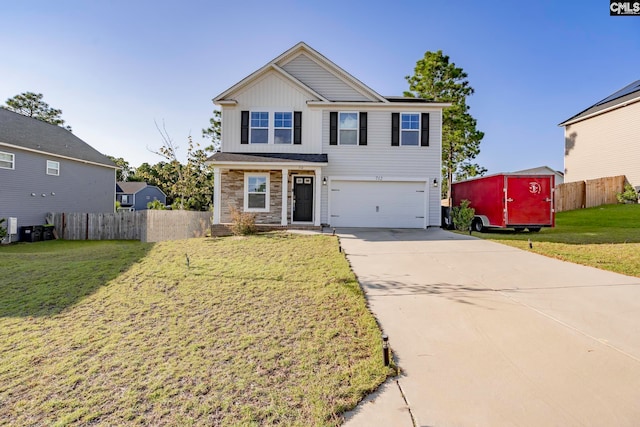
(378, 178)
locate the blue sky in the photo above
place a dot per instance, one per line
(114, 67)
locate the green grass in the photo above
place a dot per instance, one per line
(606, 237)
(263, 330)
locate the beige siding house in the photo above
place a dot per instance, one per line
(304, 143)
(604, 139)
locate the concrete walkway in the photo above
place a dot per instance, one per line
(489, 335)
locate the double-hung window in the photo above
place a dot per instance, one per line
(283, 127)
(259, 127)
(410, 129)
(256, 192)
(348, 128)
(53, 168)
(7, 160)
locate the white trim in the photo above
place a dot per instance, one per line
(318, 197)
(75, 159)
(268, 165)
(52, 167)
(248, 175)
(392, 106)
(13, 160)
(597, 113)
(285, 190)
(217, 196)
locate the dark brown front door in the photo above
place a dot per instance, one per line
(303, 198)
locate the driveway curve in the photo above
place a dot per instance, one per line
(489, 335)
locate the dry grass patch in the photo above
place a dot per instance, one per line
(262, 330)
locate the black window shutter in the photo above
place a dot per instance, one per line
(333, 128)
(424, 134)
(297, 127)
(244, 128)
(363, 129)
(395, 129)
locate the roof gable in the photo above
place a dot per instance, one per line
(35, 135)
(130, 187)
(305, 66)
(629, 93)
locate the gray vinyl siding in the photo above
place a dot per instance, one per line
(604, 145)
(321, 80)
(379, 159)
(272, 93)
(80, 187)
(146, 195)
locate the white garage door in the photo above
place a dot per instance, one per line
(377, 204)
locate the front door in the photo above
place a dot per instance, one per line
(303, 198)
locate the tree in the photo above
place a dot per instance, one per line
(214, 132)
(188, 186)
(125, 171)
(31, 105)
(437, 79)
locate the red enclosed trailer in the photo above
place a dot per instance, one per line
(508, 201)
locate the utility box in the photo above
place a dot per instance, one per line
(508, 201)
(12, 226)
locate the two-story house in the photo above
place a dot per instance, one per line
(304, 143)
(135, 196)
(45, 168)
(604, 139)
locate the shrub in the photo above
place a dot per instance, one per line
(628, 195)
(156, 205)
(242, 223)
(3, 230)
(462, 216)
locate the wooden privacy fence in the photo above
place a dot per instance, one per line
(588, 194)
(146, 226)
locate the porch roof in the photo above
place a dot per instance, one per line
(291, 159)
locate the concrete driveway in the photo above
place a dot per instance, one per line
(489, 335)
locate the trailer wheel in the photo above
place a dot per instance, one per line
(518, 229)
(476, 225)
(533, 229)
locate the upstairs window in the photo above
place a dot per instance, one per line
(53, 168)
(283, 127)
(7, 160)
(271, 127)
(410, 129)
(259, 127)
(348, 129)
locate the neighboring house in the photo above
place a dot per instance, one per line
(604, 139)
(45, 168)
(543, 170)
(134, 196)
(304, 143)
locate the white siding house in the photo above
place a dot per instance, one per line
(304, 143)
(604, 139)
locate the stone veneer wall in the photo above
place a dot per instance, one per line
(233, 195)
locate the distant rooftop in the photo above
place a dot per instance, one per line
(626, 94)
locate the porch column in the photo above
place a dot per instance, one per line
(217, 196)
(285, 193)
(318, 198)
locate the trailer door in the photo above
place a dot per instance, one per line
(529, 200)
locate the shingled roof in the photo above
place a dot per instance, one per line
(629, 93)
(36, 135)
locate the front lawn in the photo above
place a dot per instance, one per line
(606, 237)
(263, 330)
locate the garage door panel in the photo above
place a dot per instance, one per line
(377, 204)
